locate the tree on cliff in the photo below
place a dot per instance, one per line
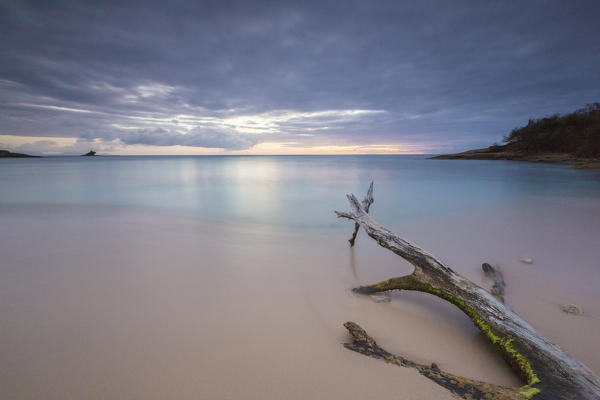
(577, 133)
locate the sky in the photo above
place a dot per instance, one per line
(279, 77)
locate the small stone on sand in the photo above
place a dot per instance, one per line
(526, 260)
(571, 309)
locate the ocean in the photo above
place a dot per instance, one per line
(291, 191)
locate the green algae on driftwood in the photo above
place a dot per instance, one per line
(546, 370)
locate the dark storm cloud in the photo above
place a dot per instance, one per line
(449, 75)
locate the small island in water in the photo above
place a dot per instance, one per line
(8, 154)
(90, 153)
(572, 138)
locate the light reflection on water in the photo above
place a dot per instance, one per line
(298, 191)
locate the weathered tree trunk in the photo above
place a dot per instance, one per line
(546, 370)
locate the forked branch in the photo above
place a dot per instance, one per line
(366, 204)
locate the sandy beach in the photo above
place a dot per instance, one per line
(117, 302)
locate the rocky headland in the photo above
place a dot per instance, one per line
(571, 139)
(8, 154)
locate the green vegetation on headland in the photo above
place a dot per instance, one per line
(577, 133)
(6, 154)
(573, 138)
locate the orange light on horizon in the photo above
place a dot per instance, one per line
(62, 145)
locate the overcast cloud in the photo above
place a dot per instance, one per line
(429, 76)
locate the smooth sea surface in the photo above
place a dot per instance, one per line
(229, 277)
(292, 191)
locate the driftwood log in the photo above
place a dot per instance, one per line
(546, 370)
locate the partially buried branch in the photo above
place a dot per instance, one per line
(545, 369)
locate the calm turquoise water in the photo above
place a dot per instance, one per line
(294, 191)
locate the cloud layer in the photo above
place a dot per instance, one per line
(436, 76)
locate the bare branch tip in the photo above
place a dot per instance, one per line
(355, 330)
(363, 290)
(341, 214)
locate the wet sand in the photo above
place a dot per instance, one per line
(134, 304)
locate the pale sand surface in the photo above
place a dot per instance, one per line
(117, 303)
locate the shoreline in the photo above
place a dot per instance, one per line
(493, 153)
